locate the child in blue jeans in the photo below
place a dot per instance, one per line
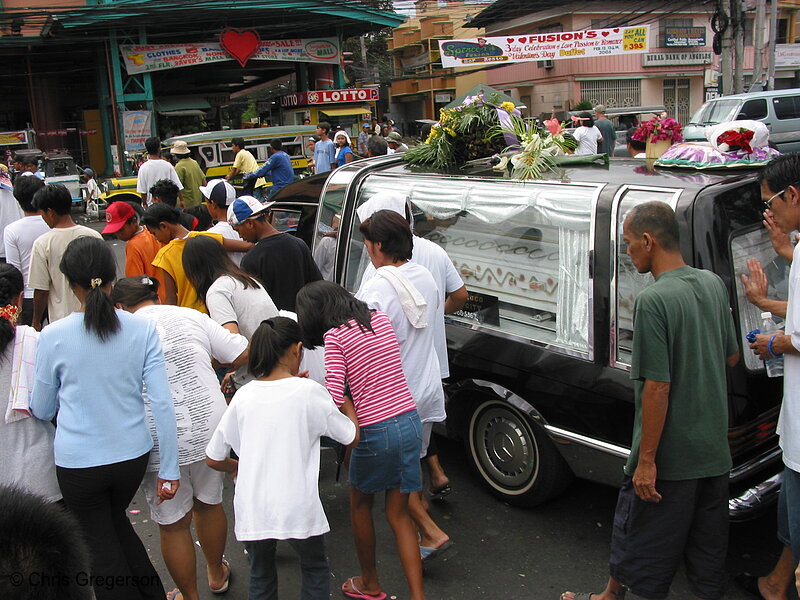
(274, 424)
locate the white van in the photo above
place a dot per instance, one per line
(778, 110)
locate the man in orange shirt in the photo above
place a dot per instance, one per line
(122, 221)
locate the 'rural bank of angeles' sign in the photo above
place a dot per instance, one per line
(330, 97)
(545, 46)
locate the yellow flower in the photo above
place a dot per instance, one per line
(508, 107)
(450, 131)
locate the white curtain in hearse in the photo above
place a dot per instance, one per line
(525, 243)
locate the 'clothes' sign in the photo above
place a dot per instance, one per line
(158, 57)
(330, 97)
(545, 46)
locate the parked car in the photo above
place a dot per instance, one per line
(778, 110)
(540, 355)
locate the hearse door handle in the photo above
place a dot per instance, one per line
(591, 263)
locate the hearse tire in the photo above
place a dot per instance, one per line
(513, 456)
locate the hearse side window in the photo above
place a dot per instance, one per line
(754, 242)
(521, 248)
(627, 281)
(753, 109)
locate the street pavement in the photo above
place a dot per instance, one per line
(499, 551)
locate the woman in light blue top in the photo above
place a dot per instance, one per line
(91, 369)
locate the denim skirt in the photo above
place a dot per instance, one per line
(387, 456)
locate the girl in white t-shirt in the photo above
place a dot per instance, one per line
(587, 135)
(274, 424)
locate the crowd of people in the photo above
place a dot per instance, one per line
(231, 354)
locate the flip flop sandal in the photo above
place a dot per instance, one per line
(173, 595)
(427, 554)
(227, 584)
(359, 595)
(438, 494)
(579, 595)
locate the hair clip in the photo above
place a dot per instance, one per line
(9, 312)
(146, 281)
(96, 282)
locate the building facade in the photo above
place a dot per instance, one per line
(680, 69)
(421, 85)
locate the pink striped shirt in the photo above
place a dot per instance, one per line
(370, 365)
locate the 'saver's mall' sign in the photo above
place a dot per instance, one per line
(159, 57)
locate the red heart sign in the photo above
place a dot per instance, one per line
(510, 40)
(604, 34)
(616, 30)
(522, 40)
(241, 44)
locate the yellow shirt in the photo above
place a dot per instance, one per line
(170, 258)
(246, 163)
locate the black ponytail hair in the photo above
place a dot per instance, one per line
(270, 342)
(11, 284)
(88, 263)
(131, 291)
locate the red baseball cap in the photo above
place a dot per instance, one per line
(117, 214)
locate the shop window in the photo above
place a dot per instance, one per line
(628, 282)
(522, 250)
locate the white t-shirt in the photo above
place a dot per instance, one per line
(274, 427)
(92, 190)
(10, 212)
(45, 272)
(587, 139)
(190, 340)
(434, 258)
(18, 240)
(155, 169)
(789, 419)
(225, 230)
(228, 301)
(417, 349)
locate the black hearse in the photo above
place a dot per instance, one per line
(539, 388)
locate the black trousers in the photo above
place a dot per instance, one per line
(99, 497)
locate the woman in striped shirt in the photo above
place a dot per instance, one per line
(362, 359)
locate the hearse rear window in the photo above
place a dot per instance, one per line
(522, 249)
(627, 281)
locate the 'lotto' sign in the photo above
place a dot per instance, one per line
(330, 97)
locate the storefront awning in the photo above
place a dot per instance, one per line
(180, 106)
(345, 112)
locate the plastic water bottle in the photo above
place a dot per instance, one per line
(774, 365)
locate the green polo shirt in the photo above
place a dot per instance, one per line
(192, 177)
(682, 334)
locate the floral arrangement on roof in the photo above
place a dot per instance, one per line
(483, 127)
(463, 133)
(659, 129)
(532, 149)
(735, 144)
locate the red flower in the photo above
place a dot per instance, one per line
(736, 139)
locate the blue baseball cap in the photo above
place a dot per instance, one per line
(245, 207)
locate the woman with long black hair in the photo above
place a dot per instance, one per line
(26, 444)
(362, 354)
(234, 298)
(91, 367)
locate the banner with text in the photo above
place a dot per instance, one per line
(545, 46)
(136, 124)
(158, 57)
